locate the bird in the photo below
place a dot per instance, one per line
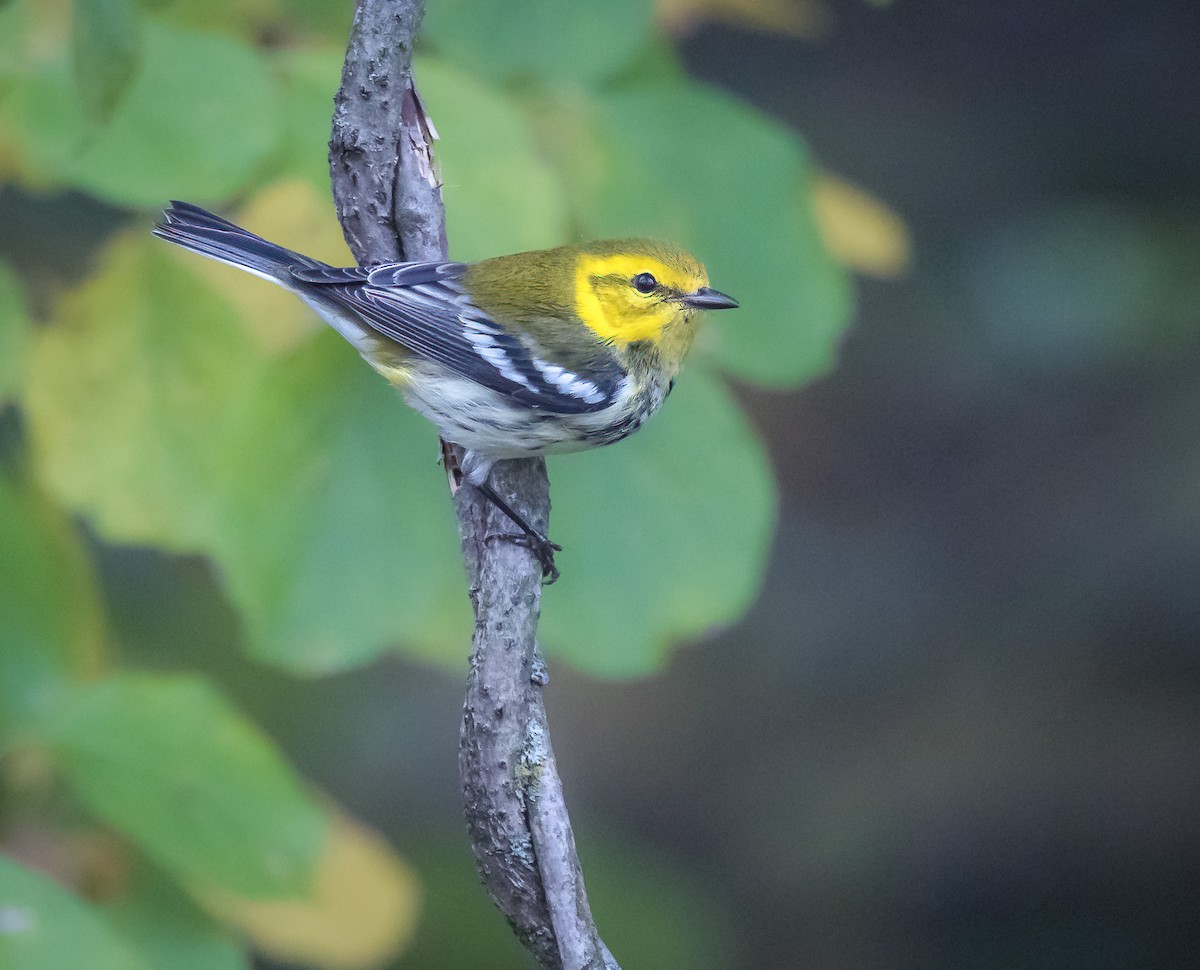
(554, 350)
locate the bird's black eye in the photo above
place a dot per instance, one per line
(645, 283)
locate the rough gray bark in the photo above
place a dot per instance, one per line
(390, 206)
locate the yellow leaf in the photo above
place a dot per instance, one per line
(50, 27)
(794, 18)
(362, 912)
(860, 231)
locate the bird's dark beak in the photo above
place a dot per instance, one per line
(707, 298)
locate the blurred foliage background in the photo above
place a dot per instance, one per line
(956, 727)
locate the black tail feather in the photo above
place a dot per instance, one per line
(203, 232)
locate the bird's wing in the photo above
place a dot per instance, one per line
(425, 308)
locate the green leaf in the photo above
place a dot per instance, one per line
(249, 20)
(307, 82)
(200, 114)
(550, 40)
(44, 927)
(42, 124)
(132, 390)
(501, 194)
(340, 539)
(14, 336)
(305, 477)
(105, 50)
(51, 624)
(168, 762)
(730, 185)
(13, 29)
(665, 535)
(170, 930)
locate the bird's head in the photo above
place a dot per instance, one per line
(632, 290)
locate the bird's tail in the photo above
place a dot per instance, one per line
(202, 232)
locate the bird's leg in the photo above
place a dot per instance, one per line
(540, 545)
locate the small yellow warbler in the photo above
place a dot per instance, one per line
(548, 351)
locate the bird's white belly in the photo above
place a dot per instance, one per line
(493, 425)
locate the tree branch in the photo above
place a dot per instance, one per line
(390, 206)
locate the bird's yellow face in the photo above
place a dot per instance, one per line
(644, 291)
